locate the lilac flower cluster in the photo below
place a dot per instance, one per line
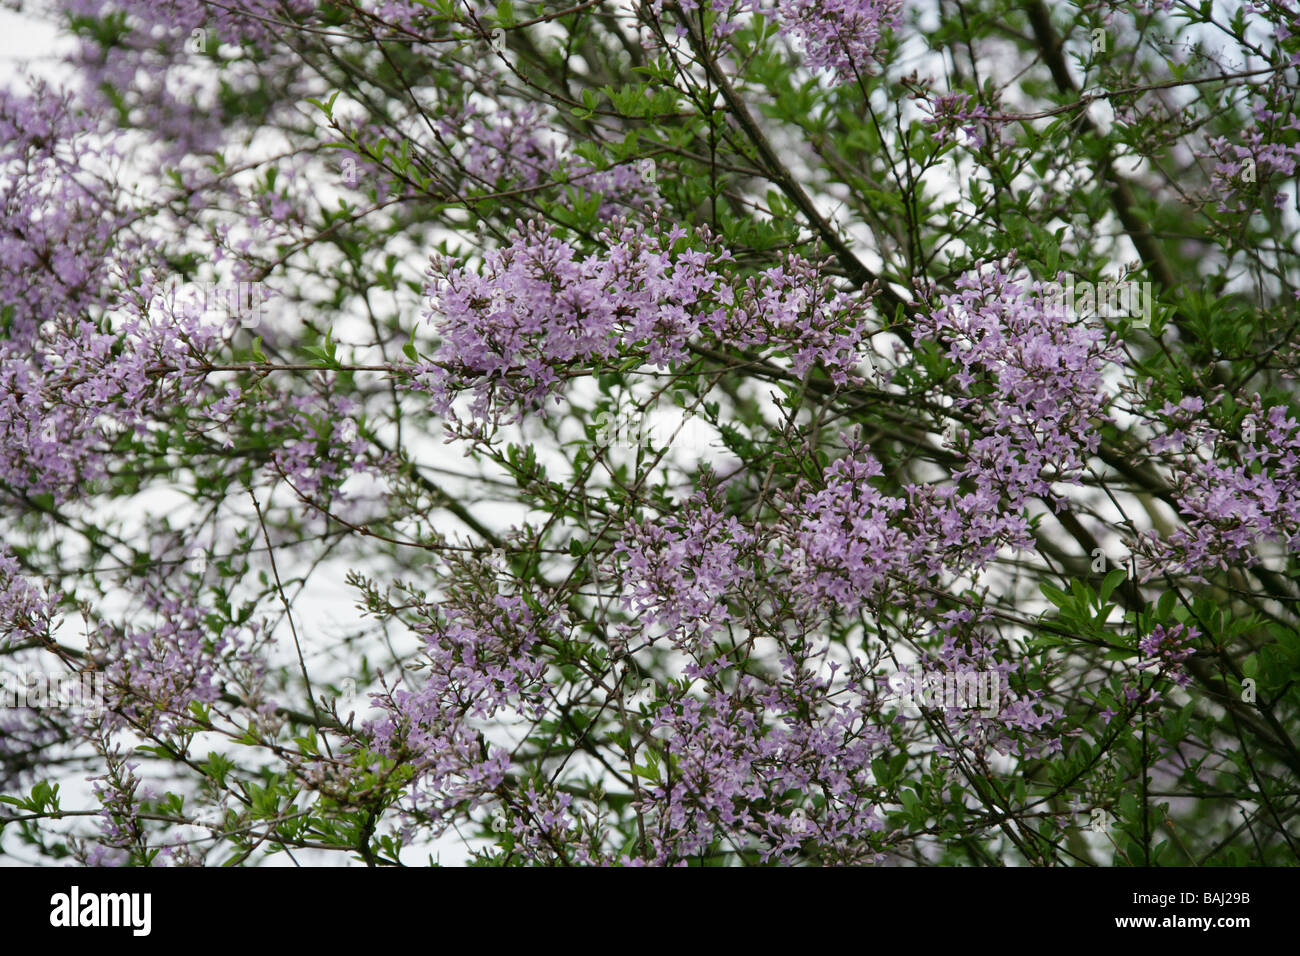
(69, 388)
(1038, 377)
(1233, 494)
(154, 673)
(731, 765)
(61, 218)
(847, 539)
(479, 659)
(119, 791)
(1267, 152)
(1026, 722)
(26, 612)
(541, 313)
(950, 112)
(677, 572)
(139, 56)
(1031, 385)
(511, 149)
(728, 761)
(80, 361)
(729, 756)
(317, 443)
(842, 36)
(547, 829)
(1166, 648)
(851, 545)
(171, 21)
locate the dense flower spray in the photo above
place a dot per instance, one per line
(313, 321)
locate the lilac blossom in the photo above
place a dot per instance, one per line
(1234, 496)
(1041, 375)
(541, 312)
(677, 573)
(26, 612)
(842, 36)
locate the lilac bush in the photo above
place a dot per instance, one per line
(965, 532)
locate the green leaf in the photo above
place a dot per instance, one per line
(1165, 606)
(1109, 583)
(1053, 594)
